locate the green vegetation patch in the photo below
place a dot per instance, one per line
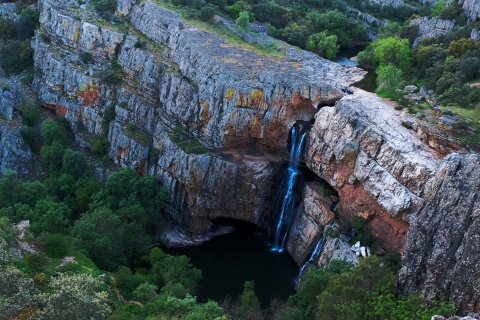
(132, 131)
(181, 138)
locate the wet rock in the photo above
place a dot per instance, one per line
(313, 213)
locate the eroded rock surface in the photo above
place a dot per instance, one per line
(378, 167)
(15, 153)
(431, 27)
(443, 243)
(313, 214)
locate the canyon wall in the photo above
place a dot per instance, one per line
(211, 120)
(208, 118)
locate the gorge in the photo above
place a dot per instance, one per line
(211, 121)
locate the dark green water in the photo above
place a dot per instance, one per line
(368, 83)
(228, 261)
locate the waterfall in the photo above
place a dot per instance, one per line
(315, 254)
(288, 184)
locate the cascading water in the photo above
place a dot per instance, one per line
(288, 202)
(315, 254)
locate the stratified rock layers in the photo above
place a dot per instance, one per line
(181, 89)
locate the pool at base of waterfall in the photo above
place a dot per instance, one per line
(244, 255)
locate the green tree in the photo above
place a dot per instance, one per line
(56, 245)
(168, 307)
(15, 191)
(173, 272)
(53, 132)
(389, 78)
(207, 13)
(75, 164)
(383, 52)
(249, 307)
(460, 46)
(49, 216)
(76, 296)
(7, 29)
(323, 44)
(97, 234)
(30, 111)
(37, 261)
(243, 21)
(349, 295)
(145, 292)
(52, 156)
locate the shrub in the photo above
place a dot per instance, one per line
(56, 245)
(15, 63)
(31, 112)
(37, 261)
(7, 29)
(111, 77)
(207, 13)
(105, 8)
(86, 57)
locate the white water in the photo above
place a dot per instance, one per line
(288, 202)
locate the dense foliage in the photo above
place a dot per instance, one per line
(15, 38)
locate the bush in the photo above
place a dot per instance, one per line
(207, 13)
(56, 245)
(15, 63)
(86, 57)
(111, 77)
(31, 112)
(7, 29)
(37, 261)
(105, 8)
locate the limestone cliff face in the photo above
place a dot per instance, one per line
(413, 199)
(15, 153)
(431, 27)
(378, 167)
(313, 214)
(472, 8)
(443, 244)
(182, 87)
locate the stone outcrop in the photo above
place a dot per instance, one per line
(313, 214)
(378, 167)
(336, 249)
(443, 243)
(431, 27)
(15, 153)
(8, 11)
(472, 8)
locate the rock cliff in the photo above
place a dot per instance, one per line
(443, 244)
(183, 88)
(431, 27)
(378, 167)
(15, 154)
(211, 120)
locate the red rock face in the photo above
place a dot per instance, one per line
(356, 201)
(89, 96)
